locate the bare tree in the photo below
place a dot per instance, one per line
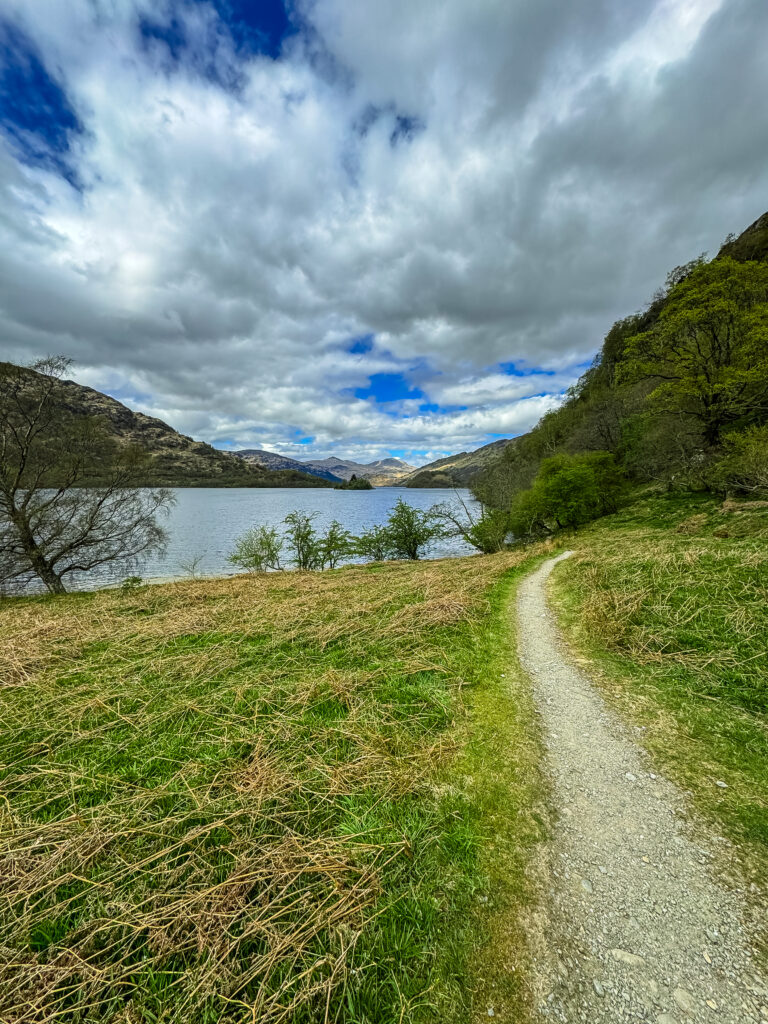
(68, 500)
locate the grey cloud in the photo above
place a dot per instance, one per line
(222, 252)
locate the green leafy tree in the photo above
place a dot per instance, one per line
(335, 545)
(743, 466)
(487, 531)
(706, 356)
(410, 530)
(569, 490)
(258, 550)
(375, 544)
(302, 540)
(528, 515)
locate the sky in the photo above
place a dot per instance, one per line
(326, 227)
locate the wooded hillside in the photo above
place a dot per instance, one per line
(678, 393)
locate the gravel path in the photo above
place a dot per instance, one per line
(639, 928)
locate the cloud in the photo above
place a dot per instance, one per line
(465, 186)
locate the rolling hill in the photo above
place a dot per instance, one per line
(176, 459)
(456, 470)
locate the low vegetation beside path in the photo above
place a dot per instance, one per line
(669, 601)
(286, 797)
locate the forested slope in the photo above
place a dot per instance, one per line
(677, 395)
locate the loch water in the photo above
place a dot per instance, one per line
(205, 522)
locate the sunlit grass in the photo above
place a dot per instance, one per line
(265, 798)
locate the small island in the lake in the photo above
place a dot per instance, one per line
(355, 483)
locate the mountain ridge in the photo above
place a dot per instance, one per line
(176, 459)
(457, 470)
(381, 472)
(271, 460)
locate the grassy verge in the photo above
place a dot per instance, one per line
(669, 601)
(299, 797)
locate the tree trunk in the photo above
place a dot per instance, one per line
(712, 432)
(37, 561)
(51, 580)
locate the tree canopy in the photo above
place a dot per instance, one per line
(671, 389)
(706, 356)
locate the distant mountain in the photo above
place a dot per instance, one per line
(270, 460)
(176, 459)
(456, 470)
(382, 473)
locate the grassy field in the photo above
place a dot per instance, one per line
(668, 601)
(297, 797)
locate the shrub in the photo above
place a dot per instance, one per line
(488, 532)
(410, 529)
(302, 539)
(375, 544)
(334, 545)
(258, 549)
(569, 490)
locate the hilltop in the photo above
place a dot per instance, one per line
(457, 470)
(177, 460)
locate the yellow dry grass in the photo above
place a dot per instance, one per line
(210, 791)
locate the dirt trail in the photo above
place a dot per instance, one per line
(639, 927)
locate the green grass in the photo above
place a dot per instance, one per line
(669, 601)
(299, 797)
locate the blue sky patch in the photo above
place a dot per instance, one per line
(172, 33)
(435, 407)
(406, 128)
(359, 346)
(130, 397)
(254, 27)
(513, 370)
(34, 108)
(257, 26)
(388, 387)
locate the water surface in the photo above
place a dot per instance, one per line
(205, 522)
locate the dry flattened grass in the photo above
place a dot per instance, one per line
(313, 606)
(210, 790)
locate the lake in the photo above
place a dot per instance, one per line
(205, 522)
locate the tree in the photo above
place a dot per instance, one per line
(334, 545)
(569, 490)
(743, 466)
(355, 483)
(302, 540)
(487, 531)
(706, 356)
(68, 500)
(258, 550)
(375, 544)
(410, 529)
